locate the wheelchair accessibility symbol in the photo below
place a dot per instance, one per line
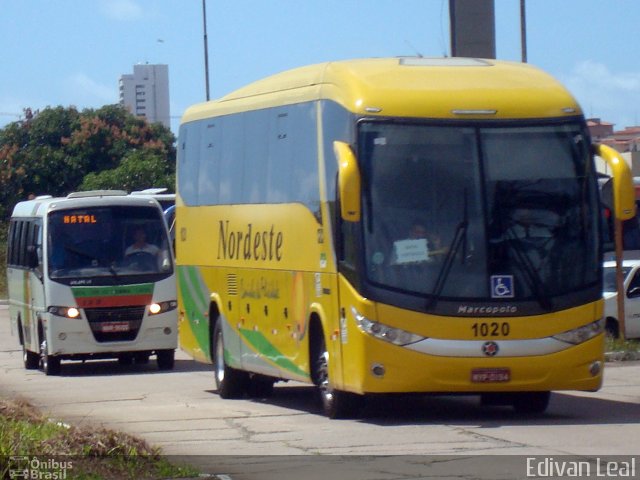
(501, 286)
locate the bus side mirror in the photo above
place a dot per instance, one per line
(348, 182)
(623, 193)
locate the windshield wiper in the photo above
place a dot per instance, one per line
(526, 265)
(459, 238)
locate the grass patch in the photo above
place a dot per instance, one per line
(93, 453)
(621, 350)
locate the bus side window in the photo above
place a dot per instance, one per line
(11, 245)
(34, 246)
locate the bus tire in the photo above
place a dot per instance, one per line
(30, 359)
(165, 359)
(335, 403)
(612, 329)
(50, 364)
(531, 402)
(230, 383)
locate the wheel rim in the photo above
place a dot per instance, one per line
(323, 377)
(219, 368)
(43, 355)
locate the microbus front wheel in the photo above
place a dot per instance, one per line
(50, 364)
(231, 383)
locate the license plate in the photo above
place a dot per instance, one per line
(490, 375)
(112, 327)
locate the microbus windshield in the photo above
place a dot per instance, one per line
(107, 241)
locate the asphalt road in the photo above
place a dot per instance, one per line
(286, 435)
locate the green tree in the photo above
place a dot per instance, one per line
(138, 170)
(59, 150)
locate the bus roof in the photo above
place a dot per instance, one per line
(40, 206)
(408, 87)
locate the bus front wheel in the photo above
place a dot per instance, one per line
(50, 364)
(231, 383)
(335, 403)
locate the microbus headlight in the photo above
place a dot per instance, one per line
(162, 307)
(582, 334)
(397, 336)
(67, 312)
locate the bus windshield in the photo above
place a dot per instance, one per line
(479, 213)
(107, 241)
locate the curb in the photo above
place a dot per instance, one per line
(622, 356)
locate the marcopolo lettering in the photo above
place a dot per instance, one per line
(249, 244)
(487, 309)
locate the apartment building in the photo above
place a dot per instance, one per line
(145, 93)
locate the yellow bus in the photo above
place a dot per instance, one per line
(393, 225)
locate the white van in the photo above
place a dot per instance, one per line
(631, 274)
(91, 276)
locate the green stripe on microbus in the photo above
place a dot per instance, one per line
(113, 290)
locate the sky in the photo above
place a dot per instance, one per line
(73, 52)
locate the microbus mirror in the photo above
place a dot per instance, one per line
(623, 193)
(348, 182)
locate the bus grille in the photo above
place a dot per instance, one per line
(115, 324)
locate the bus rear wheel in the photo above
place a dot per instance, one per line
(231, 383)
(335, 403)
(31, 360)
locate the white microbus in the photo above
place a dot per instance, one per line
(91, 276)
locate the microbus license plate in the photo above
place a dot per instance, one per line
(490, 375)
(112, 327)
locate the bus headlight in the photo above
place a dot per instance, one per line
(162, 307)
(582, 334)
(67, 312)
(397, 336)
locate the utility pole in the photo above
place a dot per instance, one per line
(206, 48)
(523, 31)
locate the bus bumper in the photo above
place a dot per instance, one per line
(389, 368)
(69, 337)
